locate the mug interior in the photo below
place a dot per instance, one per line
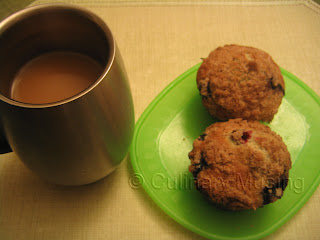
(46, 28)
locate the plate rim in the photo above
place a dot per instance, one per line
(169, 211)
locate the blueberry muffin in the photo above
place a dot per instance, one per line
(240, 82)
(240, 164)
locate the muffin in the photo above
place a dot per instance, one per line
(240, 164)
(240, 82)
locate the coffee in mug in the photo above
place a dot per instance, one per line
(54, 76)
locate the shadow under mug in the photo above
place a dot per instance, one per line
(78, 140)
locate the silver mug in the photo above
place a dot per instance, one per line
(78, 140)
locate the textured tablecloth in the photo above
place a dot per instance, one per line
(159, 40)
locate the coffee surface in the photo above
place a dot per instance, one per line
(53, 77)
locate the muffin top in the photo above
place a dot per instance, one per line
(240, 164)
(240, 82)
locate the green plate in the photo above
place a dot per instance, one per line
(163, 138)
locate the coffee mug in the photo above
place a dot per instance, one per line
(80, 139)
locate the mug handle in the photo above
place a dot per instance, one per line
(4, 146)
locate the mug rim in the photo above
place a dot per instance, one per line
(15, 17)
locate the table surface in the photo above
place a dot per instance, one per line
(159, 40)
